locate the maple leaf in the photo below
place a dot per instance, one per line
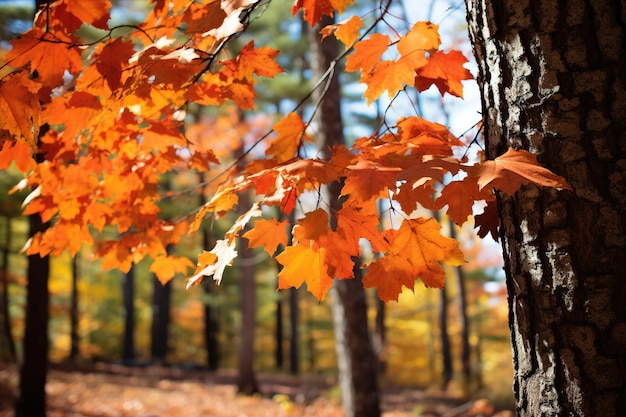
(19, 107)
(313, 9)
(423, 36)
(90, 12)
(243, 220)
(312, 226)
(18, 152)
(166, 266)
(259, 61)
(446, 71)
(367, 53)
(488, 221)
(290, 131)
(514, 168)
(304, 263)
(460, 197)
(50, 56)
(367, 180)
(224, 253)
(267, 233)
(346, 31)
(112, 60)
(417, 250)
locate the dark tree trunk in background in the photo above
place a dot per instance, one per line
(444, 337)
(379, 338)
(278, 335)
(161, 300)
(211, 312)
(7, 343)
(74, 314)
(466, 368)
(294, 345)
(553, 82)
(128, 295)
(32, 396)
(358, 373)
(246, 378)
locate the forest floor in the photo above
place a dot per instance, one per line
(117, 391)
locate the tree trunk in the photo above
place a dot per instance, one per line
(32, 399)
(444, 337)
(463, 318)
(553, 82)
(7, 343)
(294, 319)
(246, 379)
(128, 295)
(278, 335)
(159, 331)
(211, 313)
(74, 338)
(358, 373)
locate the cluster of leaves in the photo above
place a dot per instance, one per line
(106, 119)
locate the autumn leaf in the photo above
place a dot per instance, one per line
(367, 53)
(18, 152)
(267, 233)
(417, 250)
(19, 107)
(514, 168)
(446, 71)
(166, 266)
(460, 197)
(285, 145)
(313, 9)
(304, 263)
(346, 31)
(224, 252)
(46, 54)
(488, 221)
(90, 12)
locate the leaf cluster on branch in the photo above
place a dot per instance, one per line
(116, 111)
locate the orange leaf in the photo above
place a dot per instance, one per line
(91, 12)
(445, 71)
(514, 168)
(346, 31)
(267, 233)
(460, 197)
(290, 131)
(259, 61)
(302, 263)
(387, 75)
(313, 9)
(367, 53)
(417, 250)
(165, 267)
(224, 253)
(47, 55)
(423, 36)
(18, 152)
(488, 221)
(19, 107)
(312, 226)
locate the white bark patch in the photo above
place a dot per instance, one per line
(563, 276)
(520, 91)
(530, 255)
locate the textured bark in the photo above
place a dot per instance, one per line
(553, 82)
(358, 374)
(32, 399)
(294, 320)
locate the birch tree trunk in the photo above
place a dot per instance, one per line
(553, 82)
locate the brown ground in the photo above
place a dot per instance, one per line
(116, 391)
